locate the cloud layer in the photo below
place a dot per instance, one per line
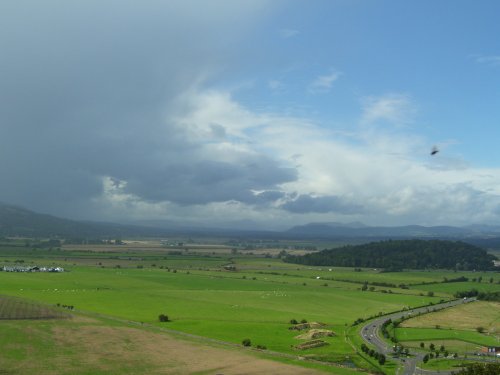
(116, 111)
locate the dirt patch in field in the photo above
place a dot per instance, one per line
(303, 326)
(83, 319)
(129, 350)
(311, 344)
(315, 334)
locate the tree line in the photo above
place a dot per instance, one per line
(483, 296)
(396, 255)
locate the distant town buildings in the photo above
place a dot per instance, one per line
(31, 269)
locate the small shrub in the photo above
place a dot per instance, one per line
(246, 342)
(294, 321)
(163, 318)
(381, 359)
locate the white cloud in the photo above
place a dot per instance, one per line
(379, 177)
(280, 170)
(324, 83)
(275, 85)
(397, 109)
(488, 60)
(288, 33)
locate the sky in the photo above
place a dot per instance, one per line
(252, 113)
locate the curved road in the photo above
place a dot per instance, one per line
(369, 333)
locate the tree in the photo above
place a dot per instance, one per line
(246, 342)
(432, 347)
(381, 359)
(480, 369)
(163, 318)
(293, 321)
(422, 345)
(426, 358)
(480, 329)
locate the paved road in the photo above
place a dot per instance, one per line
(370, 333)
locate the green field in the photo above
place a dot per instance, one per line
(420, 334)
(452, 288)
(220, 307)
(445, 364)
(257, 301)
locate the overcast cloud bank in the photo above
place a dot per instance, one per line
(118, 111)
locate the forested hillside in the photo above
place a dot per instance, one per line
(402, 254)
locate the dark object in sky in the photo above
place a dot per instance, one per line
(434, 150)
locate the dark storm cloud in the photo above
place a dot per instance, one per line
(307, 204)
(208, 181)
(86, 89)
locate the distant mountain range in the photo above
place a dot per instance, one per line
(359, 230)
(18, 221)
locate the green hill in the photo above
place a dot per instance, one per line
(18, 221)
(402, 254)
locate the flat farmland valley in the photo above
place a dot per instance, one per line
(206, 306)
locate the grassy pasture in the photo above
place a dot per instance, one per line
(84, 345)
(256, 302)
(452, 346)
(445, 364)
(411, 277)
(423, 334)
(12, 308)
(215, 304)
(464, 317)
(452, 288)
